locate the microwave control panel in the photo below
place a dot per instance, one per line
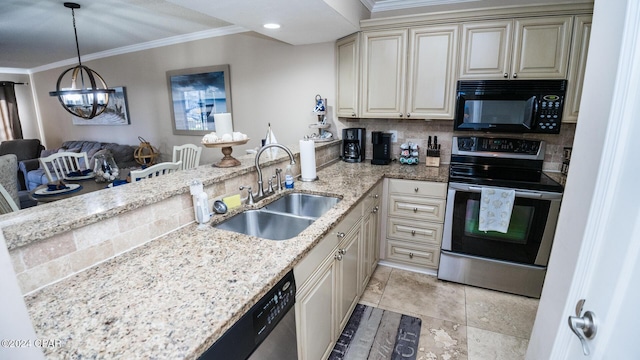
(549, 113)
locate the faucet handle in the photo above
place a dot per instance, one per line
(270, 189)
(250, 200)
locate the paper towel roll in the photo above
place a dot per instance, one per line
(223, 123)
(308, 160)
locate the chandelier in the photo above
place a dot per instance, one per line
(88, 95)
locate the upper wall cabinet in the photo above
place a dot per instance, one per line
(528, 48)
(348, 68)
(577, 65)
(409, 73)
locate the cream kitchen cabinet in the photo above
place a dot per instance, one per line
(414, 223)
(409, 73)
(370, 235)
(527, 48)
(577, 65)
(328, 287)
(348, 76)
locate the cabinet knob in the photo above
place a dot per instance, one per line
(413, 233)
(408, 114)
(375, 210)
(400, 114)
(415, 210)
(376, 196)
(342, 251)
(353, 114)
(338, 257)
(506, 75)
(341, 235)
(515, 75)
(410, 255)
(416, 189)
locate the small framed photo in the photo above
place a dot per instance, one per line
(197, 94)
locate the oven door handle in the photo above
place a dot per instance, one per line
(522, 194)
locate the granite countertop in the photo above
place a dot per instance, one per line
(174, 296)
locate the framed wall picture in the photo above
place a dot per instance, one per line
(197, 94)
(117, 112)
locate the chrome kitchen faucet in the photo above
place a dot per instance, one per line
(261, 193)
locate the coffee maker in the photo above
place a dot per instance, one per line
(381, 148)
(353, 144)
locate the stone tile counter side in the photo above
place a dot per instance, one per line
(174, 296)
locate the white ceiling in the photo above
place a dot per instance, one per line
(38, 34)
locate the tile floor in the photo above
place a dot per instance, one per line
(458, 321)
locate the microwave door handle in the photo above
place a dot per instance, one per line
(525, 194)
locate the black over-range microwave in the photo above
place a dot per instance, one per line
(510, 106)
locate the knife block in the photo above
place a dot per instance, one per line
(433, 158)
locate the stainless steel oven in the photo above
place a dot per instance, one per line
(514, 261)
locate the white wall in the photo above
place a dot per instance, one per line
(596, 104)
(271, 82)
(26, 106)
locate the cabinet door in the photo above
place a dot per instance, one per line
(486, 50)
(349, 276)
(579, 50)
(541, 49)
(433, 54)
(384, 73)
(348, 68)
(315, 305)
(368, 245)
(374, 244)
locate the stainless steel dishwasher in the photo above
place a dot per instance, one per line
(266, 332)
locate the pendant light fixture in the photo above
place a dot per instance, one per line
(88, 95)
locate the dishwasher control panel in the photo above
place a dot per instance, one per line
(273, 306)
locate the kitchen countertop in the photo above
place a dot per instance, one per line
(174, 296)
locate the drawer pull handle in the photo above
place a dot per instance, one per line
(410, 255)
(413, 233)
(338, 257)
(342, 251)
(375, 210)
(415, 210)
(376, 196)
(341, 235)
(416, 189)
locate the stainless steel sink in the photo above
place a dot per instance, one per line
(266, 225)
(303, 204)
(282, 219)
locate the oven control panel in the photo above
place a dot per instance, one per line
(504, 145)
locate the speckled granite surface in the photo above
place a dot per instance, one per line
(173, 297)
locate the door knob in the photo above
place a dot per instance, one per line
(585, 327)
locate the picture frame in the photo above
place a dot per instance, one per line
(116, 113)
(195, 95)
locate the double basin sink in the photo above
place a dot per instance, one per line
(282, 219)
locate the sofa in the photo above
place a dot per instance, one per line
(122, 155)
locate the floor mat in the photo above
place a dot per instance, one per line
(376, 334)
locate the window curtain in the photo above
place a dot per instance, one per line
(10, 127)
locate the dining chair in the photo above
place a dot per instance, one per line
(155, 170)
(58, 165)
(189, 154)
(7, 204)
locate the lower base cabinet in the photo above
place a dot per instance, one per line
(330, 279)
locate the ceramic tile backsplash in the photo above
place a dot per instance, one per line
(417, 131)
(46, 261)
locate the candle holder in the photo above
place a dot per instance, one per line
(227, 160)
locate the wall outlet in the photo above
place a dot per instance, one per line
(394, 136)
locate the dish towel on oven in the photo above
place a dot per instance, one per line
(495, 209)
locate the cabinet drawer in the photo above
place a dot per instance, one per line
(415, 187)
(424, 256)
(417, 208)
(372, 198)
(415, 230)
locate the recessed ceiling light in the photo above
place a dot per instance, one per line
(272, 26)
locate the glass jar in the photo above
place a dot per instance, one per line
(105, 168)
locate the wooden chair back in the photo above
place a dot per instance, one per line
(189, 154)
(155, 170)
(58, 165)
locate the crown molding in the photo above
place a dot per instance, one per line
(217, 32)
(388, 5)
(14, 71)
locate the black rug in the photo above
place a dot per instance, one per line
(376, 334)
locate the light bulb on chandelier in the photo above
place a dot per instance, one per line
(91, 97)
